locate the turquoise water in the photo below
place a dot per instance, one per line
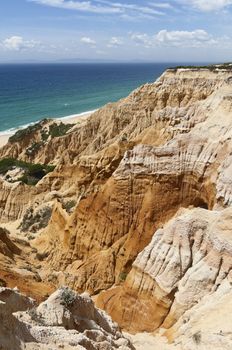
(29, 93)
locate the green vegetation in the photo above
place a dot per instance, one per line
(34, 148)
(69, 205)
(37, 317)
(68, 296)
(210, 67)
(123, 276)
(21, 134)
(57, 130)
(33, 220)
(42, 131)
(32, 172)
(44, 135)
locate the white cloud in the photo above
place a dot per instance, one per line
(163, 5)
(78, 5)
(103, 7)
(132, 7)
(115, 42)
(17, 43)
(208, 5)
(142, 39)
(194, 38)
(88, 41)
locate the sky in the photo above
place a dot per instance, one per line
(111, 30)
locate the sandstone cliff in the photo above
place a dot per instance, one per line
(118, 228)
(186, 260)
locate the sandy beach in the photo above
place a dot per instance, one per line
(72, 119)
(76, 118)
(4, 139)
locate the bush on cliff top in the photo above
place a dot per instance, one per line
(212, 67)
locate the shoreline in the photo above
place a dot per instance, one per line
(70, 119)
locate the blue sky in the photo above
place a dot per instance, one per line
(130, 30)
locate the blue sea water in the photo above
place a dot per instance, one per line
(31, 92)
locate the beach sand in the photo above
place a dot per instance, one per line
(4, 139)
(78, 119)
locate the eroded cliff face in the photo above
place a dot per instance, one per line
(127, 171)
(116, 217)
(187, 259)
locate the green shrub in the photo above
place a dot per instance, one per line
(68, 296)
(32, 172)
(34, 148)
(21, 134)
(57, 130)
(29, 131)
(123, 276)
(211, 67)
(69, 205)
(6, 164)
(44, 135)
(38, 318)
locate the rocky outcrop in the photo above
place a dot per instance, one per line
(65, 319)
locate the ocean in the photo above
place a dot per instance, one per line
(31, 92)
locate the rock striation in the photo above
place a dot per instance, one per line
(186, 260)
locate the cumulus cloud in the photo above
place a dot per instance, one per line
(115, 42)
(17, 43)
(208, 5)
(180, 38)
(88, 41)
(142, 39)
(196, 38)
